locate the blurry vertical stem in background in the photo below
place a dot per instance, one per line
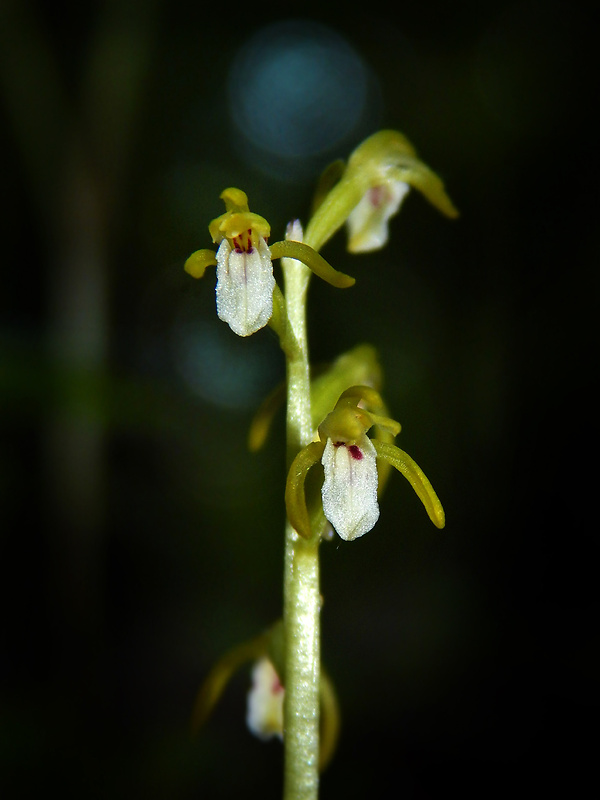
(75, 157)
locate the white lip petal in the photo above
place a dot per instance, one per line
(264, 714)
(350, 489)
(245, 286)
(368, 222)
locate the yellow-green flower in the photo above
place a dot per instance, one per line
(349, 459)
(391, 163)
(245, 281)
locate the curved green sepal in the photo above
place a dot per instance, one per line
(386, 424)
(234, 199)
(295, 497)
(314, 261)
(389, 155)
(197, 263)
(220, 675)
(261, 423)
(362, 392)
(328, 179)
(419, 176)
(416, 477)
(330, 720)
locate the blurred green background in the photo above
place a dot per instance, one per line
(140, 539)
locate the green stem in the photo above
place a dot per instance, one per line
(301, 572)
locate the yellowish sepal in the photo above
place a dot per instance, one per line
(330, 720)
(234, 199)
(419, 176)
(385, 157)
(233, 224)
(358, 366)
(220, 675)
(416, 477)
(197, 263)
(262, 420)
(295, 497)
(313, 260)
(328, 179)
(348, 421)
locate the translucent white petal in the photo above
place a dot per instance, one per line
(350, 488)
(245, 286)
(264, 715)
(368, 222)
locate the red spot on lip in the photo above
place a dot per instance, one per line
(377, 196)
(355, 452)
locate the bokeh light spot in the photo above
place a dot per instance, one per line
(297, 91)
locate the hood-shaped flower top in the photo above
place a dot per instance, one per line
(348, 456)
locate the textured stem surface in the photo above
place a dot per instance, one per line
(301, 574)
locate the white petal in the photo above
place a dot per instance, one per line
(264, 715)
(368, 221)
(245, 286)
(350, 488)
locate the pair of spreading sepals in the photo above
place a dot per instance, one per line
(363, 195)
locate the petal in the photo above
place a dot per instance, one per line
(368, 222)
(295, 498)
(416, 477)
(313, 260)
(264, 714)
(245, 286)
(350, 489)
(197, 263)
(220, 675)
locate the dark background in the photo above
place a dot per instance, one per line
(139, 538)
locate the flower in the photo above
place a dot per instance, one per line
(367, 192)
(245, 281)
(264, 714)
(390, 164)
(349, 459)
(265, 701)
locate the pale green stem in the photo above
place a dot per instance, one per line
(301, 573)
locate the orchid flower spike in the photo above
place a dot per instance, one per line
(245, 281)
(348, 456)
